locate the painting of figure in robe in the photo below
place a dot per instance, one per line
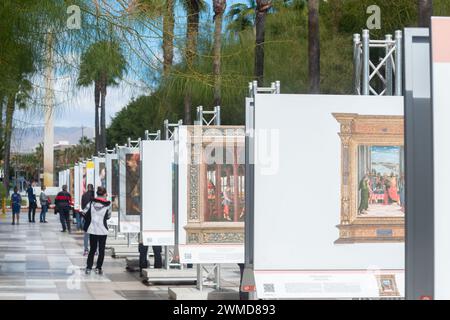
(133, 184)
(381, 181)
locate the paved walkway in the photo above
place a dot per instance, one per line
(37, 261)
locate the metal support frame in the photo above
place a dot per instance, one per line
(419, 166)
(169, 129)
(214, 116)
(248, 279)
(382, 77)
(208, 277)
(275, 88)
(133, 143)
(152, 136)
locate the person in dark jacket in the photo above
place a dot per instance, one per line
(96, 214)
(62, 204)
(32, 203)
(86, 198)
(16, 201)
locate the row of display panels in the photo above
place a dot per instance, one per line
(142, 184)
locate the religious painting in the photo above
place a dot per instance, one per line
(102, 174)
(224, 187)
(372, 178)
(216, 185)
(133, 184)
(72, 182)
(381, 181)
(387, 286)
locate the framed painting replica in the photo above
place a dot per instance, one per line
(129, 181)
(211, 193)
(372, 178)
(112, 185)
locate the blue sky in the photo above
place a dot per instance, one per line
(75, 107)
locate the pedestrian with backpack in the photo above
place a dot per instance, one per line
(96, 215)
(16, 200)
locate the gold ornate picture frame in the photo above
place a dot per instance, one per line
(365, 130)
(200, 229)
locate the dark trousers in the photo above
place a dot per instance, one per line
(64, 217)
(31, 212)
(157, 254)
(143, 254)
(95, 242)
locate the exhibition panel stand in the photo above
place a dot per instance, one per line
(209, 220)
(440, 56)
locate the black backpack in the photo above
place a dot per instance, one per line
(87, 218)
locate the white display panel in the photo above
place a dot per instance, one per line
(99, 172)
(157, 161)
(189, 252)
(112, 185)
(129, 216)
(90, 173)
(440, 31)
(298, 176)
(76, 192)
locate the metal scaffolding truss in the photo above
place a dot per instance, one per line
(152, 136)
(377, 64)
(133, 143)
(169, 129)
(275, 88)
(212, 116)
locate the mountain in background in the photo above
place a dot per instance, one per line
(25, 140)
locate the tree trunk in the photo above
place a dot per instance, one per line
(97, 104)
(103, 116)
(191, 51)
(219, 9)
(8, 133)
(168, 36)
(262, 6)
(1, 125)
(259, 49)
(425, 8)
(314, 46)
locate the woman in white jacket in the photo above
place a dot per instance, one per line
(96, 214)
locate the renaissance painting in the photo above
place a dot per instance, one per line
(133, 184)
(372, 178)
(72, 182)
(224, 190)
(102, 174)
(381, 181)
(216, 185)
(115, 184)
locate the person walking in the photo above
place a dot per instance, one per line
(16, 200)
(45, 202)
(96, 214)
(62, 205)
(86, 198)
(32, 203)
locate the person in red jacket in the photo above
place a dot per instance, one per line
(62, 205)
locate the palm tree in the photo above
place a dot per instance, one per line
(425, 8)
(193, 8)
(17, 91)
(219, 9)
(102, 64)
(241, 16)
(262, 6)
(314, 46)
(168, 36)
